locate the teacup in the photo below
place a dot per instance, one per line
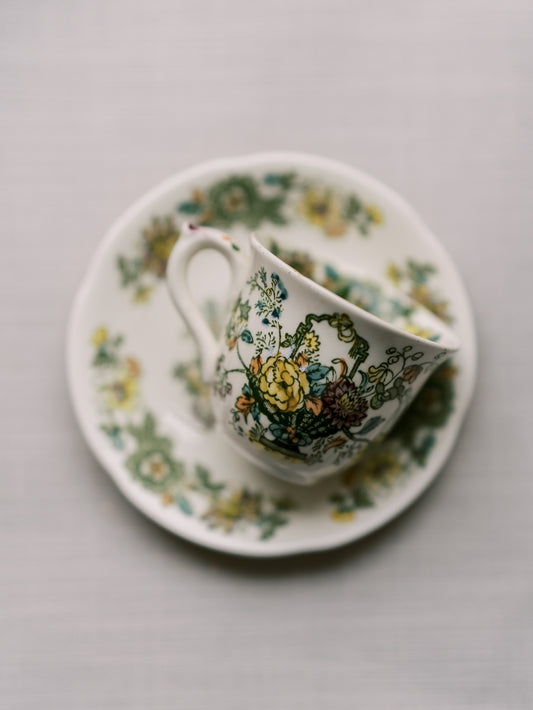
(302, 379)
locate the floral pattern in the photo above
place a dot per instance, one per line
(410, 442)
(151, 461)
(365, 293)
(290, 399)
(414, 278)
(248, 201)
(252, 202)
(143, 269)
(149, 455)
(275, 199)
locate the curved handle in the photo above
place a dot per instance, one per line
(192, 240)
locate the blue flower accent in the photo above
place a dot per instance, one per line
(316, 372)
(282, 290)
(281, 433)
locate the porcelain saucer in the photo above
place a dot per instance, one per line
(133, 370)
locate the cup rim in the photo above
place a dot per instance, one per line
(448, 341)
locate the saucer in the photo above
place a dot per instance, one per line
(134, 374)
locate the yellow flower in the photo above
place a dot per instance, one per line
(311, 341)
(343, 517)
(416, 330)
(99, 336)
(377, 374)
(394, 274)
(374, 215)
(122, 392)
(323, 208)
(283, 384)
(422, 294)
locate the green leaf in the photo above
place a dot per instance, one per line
(130, 269)
(284, 504)
(287, 341)
(352, 207)
(421, 453)
(370, 425)
(103, 357)
(269, 523)
(190, 207)
(377, 401)
(204, 478)
(271, 210)
(361, 498)
(284, 180)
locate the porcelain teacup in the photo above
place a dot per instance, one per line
(302, 379)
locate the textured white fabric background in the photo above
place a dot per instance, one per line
(101, 609)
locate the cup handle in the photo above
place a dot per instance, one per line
(192, 240)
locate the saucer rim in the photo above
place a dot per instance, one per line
(211, 539)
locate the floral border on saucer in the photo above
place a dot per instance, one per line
(243, 199)
(149, 456)
(134, 431)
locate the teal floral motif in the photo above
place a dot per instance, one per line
(248, 201)
(291, 400)
(365, 293)
(255, 202)
(235, 200)
(152, 462)
(414, 278)
(149, 455)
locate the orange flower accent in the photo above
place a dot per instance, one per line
(302, 361)
(335, 442)
(344, 366)
(313, 404)
(411, 373)
(255, 365)
(232, 342)
(244, 404)
(133, 367)
(291, 431)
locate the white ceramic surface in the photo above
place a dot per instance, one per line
(138, 398)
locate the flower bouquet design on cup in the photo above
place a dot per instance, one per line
(303, 380)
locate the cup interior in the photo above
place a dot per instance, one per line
(379, 299)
